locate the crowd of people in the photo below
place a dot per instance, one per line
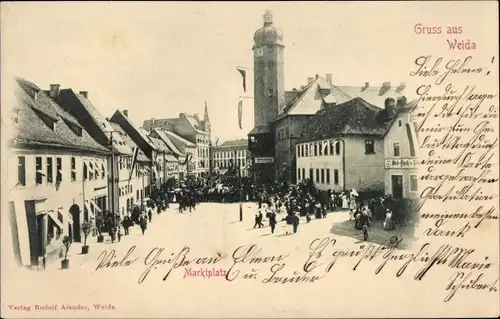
(278, 202)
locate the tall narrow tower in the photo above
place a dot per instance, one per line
(269, 89)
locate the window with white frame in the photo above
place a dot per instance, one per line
(396, 149)
(21, 170)
(413, 183)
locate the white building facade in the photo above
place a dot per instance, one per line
(56, 177)
(401, 150)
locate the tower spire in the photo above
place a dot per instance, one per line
(268, 17)
(206, 119)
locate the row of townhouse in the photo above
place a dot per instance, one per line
(190, 135)
(356, 145)
(68, 164)
(231, 153)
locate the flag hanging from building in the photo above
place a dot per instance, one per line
(240, 113)
(244, 76)
(134, 162)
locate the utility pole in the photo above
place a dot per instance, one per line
(113, 181)
(143, 192)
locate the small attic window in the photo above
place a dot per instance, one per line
(77, 130)
(50, 122)
(35, 95)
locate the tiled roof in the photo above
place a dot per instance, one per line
(160, 145)
(120, 140)
(130, 144)
(235, 143)
(179, 139)
(32, 129)
(103, 124)
(194, 122)
(376, 95)
(354, 117)
(141, 131)
(310, 99)
(290, 96)
(167, 141)
(165, 124)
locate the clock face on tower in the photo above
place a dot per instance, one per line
(259, 52)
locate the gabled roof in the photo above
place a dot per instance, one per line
(376, 95)
(94, 115)
(310, 99)
(31, 128)
(235, 143)
(195, 123)
(168, 142)
(120, 140)
(130, 143)
(160, 145)
(354, 117)
(142, 132)
(180, 139)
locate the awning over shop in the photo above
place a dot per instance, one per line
(53, 216)
(92, 202)
(87, 207)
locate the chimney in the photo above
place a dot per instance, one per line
(125, 112)
(85, 94)
(316, 76)
(309, 80)
(401, 87)
(401, 102)
(329, 78)
(386, 86)
(390, 106)
(294, 90)
(364, 88)
(54, 90)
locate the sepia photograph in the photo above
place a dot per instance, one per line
(225, 153)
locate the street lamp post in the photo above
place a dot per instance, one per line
(240, 186)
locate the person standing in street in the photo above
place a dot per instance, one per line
(272, 221)
(295, 220)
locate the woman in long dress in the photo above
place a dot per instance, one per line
(345, 204)
(388, 222)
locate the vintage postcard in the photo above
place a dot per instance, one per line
(250, 159)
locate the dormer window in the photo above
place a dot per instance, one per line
(49, 121)
(35, 95)
(77, 130)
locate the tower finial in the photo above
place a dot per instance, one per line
(268, 17)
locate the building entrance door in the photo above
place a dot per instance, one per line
(397, 186)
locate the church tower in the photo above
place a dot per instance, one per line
(269, 89)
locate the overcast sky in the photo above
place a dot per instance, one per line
(158, 59)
